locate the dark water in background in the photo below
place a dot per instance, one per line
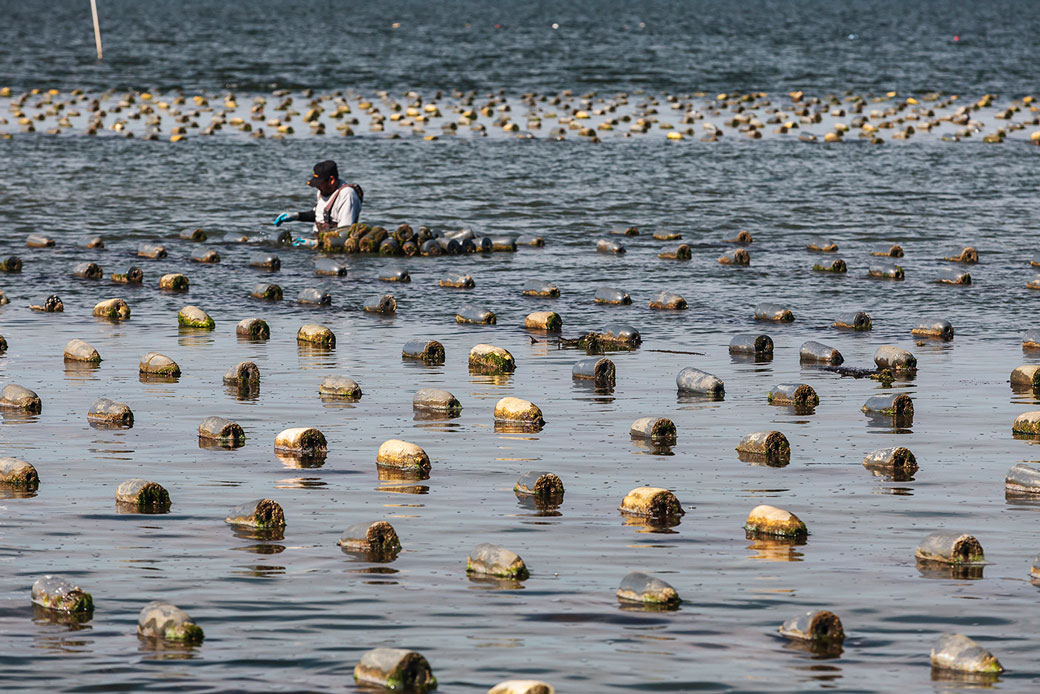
(296, 615)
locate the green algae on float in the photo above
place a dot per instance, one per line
(743, 236)
(313, 333)
(133, 275)
(329, 267)
(895, 251)
(11, 263)
(143, 495)
(959, 653)
(266, 292)
(490, 359)
(196, 235)
(469, 314)
(395, 669)
(549, 321)
(950, 548)
(109, 412)
(314, 297)
(960, 277)
(517, 410)
(395, 275)
(78, 350)
(771, 446)
(772, 521)
(821, 245)
(836, 266)
(888, 271)
(638, 587)
(894, 405)
(488, 559)
(265, 261)
(174, 282)
(819, 626)
(253, 328)
(156, 364)
(261, 514)
(895, 460)
(59, 594)
(166, 622)
(18, 473)
(16, 397)
(666, 236)
(194, 317)
(222, 432)
(430, 351)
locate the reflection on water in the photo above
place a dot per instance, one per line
(776, 549)
(937, 569)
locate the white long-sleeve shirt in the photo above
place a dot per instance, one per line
(345, 210)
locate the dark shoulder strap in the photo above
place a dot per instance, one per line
(357, 189)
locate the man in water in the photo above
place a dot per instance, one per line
(338, 203)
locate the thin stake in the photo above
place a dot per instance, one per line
(97, 27)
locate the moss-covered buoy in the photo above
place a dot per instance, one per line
(261, 514)
(377, 537)
(668, 301)
(771, 447)
(751, 343)
(798, 394)
(895, 460)
(938, 329)
(818, 627)
(638, 587)
(518, 410)
(522, 687)
(16, 397)
(540, 288)
(967, 254)
(655, 429)
(487, 559)
(384, 303)
(174, 282)
(133, 275)
(768, 311)
(858, 321)
(654, 503)
(610, 295)
(898, 405)
(395, 669)
(457, 281)
(772, 521)
(895, 358)
(88, 271)
(736, 256)
(79, 350)
(491, 359)
(950, 548)
(156, 364)
(142, 495)
(402, 455)
(301, 441)
(112, 309)
(194, 317)
(110, 412)
(959, 653)
(253, 328)
(888, 271)
(266, 291)
(49, 304)
(61, 595)
(435, 400)
(18, 473)
(430, 351)
(813, 351)
(543, 485)
(475, 315)
(312, 333)
(222, 432)
(152, 251)
(166, 622)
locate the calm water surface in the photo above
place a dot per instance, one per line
(296, 614)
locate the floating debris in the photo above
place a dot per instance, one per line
(194, 317)
(395, 669)
(837, 266)
(609, 246)
(681, 252)
(643, 588)
(379, 537)
(522, 687)
(540, 288)
(174, 282)
(133, 275)
(968, 254)
(894, 251)
(896, 461)
(822, 245)
(424, 350)
(888, 271)
(487, 559)
(737, 256)
(953, 277)
(88, 271)
(457, 281)
(668, 301)
(475, 314)
(950, 548)
(750, 343)
(894, 358)
(161, 620)
(544, 485)
(770, 520)
(50, 304)
(958, 652)
(152, 251)
(267, 292)
(57, 593)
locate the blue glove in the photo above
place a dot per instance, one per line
(285, 217)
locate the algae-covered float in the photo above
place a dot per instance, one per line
(156, 364)
(302, 441)
(59, 594)
(668, 301)
(967, 255)
(644, 589)
(16, 397)
(609, 246)
(253, 329)
(658, 430)
(395, 669)
(496, 561)
(897, 462)
(194, 317)
(680, 252)
(80, 351)
(110, 414)
(142, 496)
(266, 291)
(894, 358)
(599, 370)
(960, 654)
(819, 627)
(340, 387)
(897, 405)
(486, 358)
(376, 540)
(315, 334)
(835, 266)
(953, 548)
(519, 413)
(652, 503)
(403, 456)
(771, 521)
(886, 271)
(547, 321)
(221, 432)
(821, 245)
(166, 622)
(736, 256)
(260, 514)
(436, 401)
(769, 447)
(544, 486)
(133, 275)
(610, 295)
(797, 394)
(312, 296)
(961, 277)
(938, 329)
(18, 474)
(475, 315)
(540, 288)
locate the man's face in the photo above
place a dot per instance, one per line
(326, 186)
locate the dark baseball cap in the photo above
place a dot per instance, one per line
(323, 170)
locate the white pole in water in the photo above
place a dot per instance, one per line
(97, 27)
